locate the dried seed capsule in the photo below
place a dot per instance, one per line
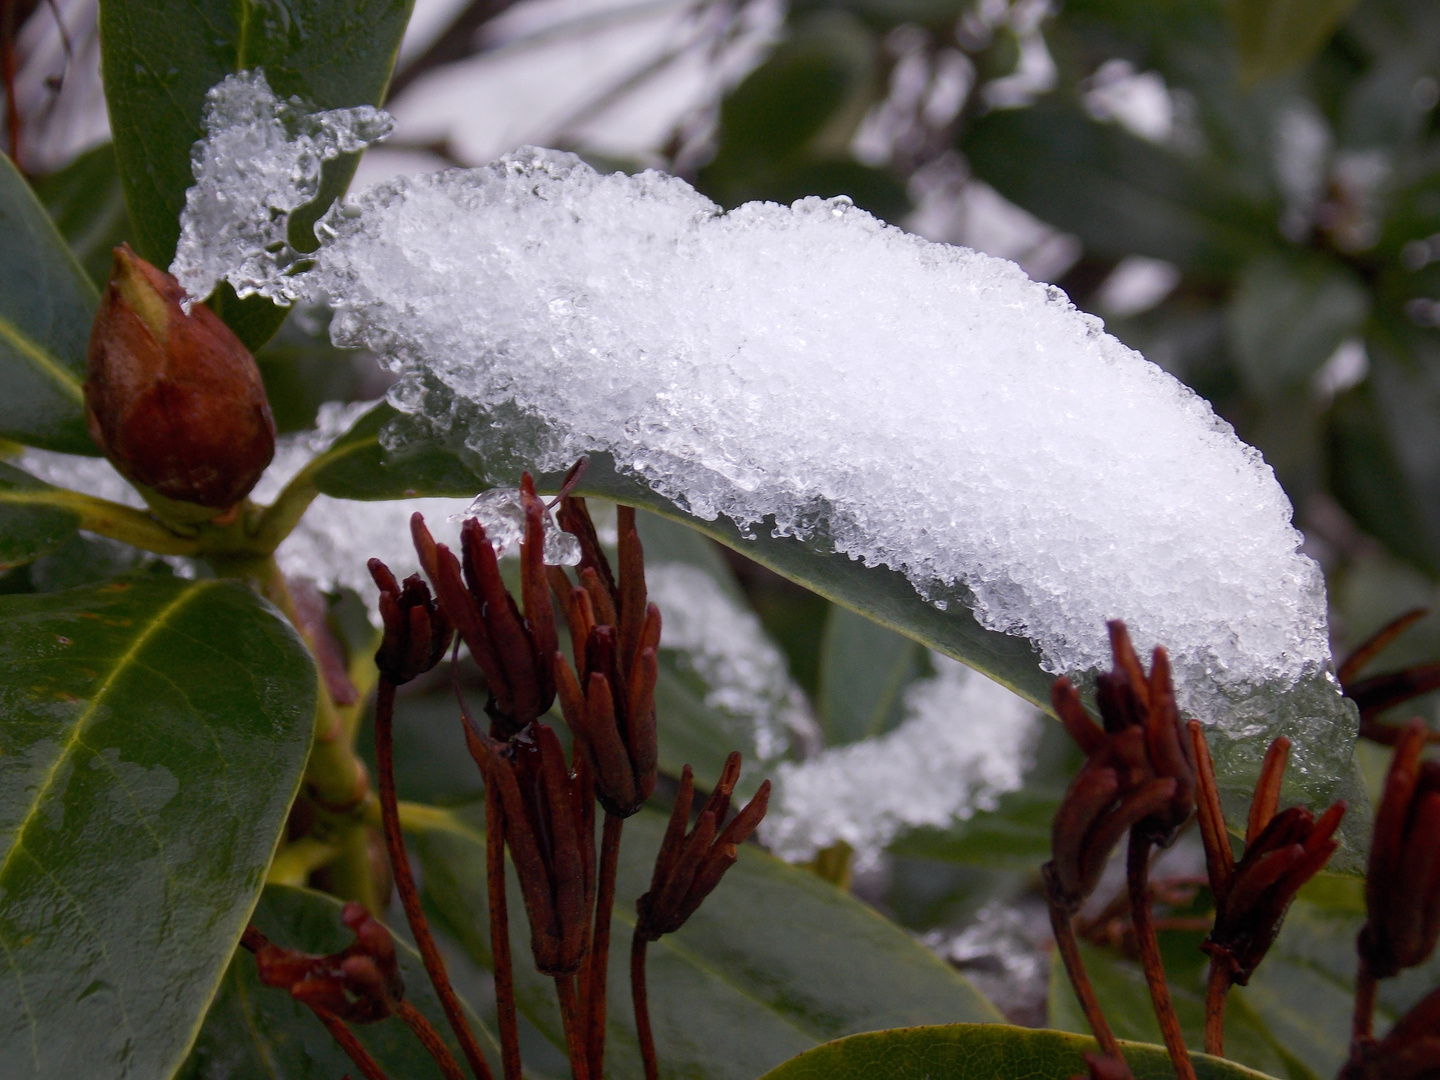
(175, 401)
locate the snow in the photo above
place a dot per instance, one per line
(963, 743)
(811, 371)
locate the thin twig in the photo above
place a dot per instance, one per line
(642, 1007)
(350, 1044)
(1365, 986)
(1060, 923)
(1137, 871)
(598, 963)
(430, 1039)
(405, 882)
(500, 935)
(1217, 990)
(574, 1026)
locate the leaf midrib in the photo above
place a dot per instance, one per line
(42, 361)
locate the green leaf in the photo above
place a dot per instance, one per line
(1273, 36)
(46, 307)
(85, 201)
(160, 57)
(28, 528)
(980, 1052)
(1287, 318)
(774, 962)
(864, 670)
(154, 732)
(256, 1032)
(1125, 997)
(357, 466)
(1119, 193)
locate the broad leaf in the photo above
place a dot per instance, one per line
(774, 962)
(160, 57)
(1273, 36)
(29, 527)
(864, 670)
(85, 202)
(154, 732)
(46, 307)
(256, 1031)
(981, 1052)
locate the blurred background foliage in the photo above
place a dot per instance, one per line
(1248, 192)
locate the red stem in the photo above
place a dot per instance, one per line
(350, 1044)
(1138, 872)
(405, 882)
(642, 1007)
(598, 964)
(574, 1026)
(430, 1038)
(1365, 986)
(1217, 990)
(1060, 923)
(500, 934)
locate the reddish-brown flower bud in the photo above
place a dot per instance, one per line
(417, 633)
(1409, 1051)
(175, 401)
(514, 651)
(1282, 852)
(1138, 771)
(1402, 888)
(1377, 693)
(548, 817)
(359, 984)
(610, 704)
(690, 864)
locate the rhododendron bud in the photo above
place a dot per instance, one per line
(174, 400)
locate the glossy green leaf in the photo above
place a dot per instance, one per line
(1273, 36)
(30, 528)
(1120, 985)
(255, 1032)
(774, 962)
(154, 732)
(46, 307)
(160, 57)
(85, 202)
(1288, 316)
(980, 1052)
(864, 670)
(1120, 194)
(358, 466)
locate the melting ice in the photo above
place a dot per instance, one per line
(811, 370)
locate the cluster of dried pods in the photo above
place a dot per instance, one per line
(1147, 774)
(538, 805)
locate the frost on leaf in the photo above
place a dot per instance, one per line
(812, 371)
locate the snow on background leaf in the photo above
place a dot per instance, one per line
(813, 371)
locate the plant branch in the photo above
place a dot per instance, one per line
(1365, 987)
(110, 519)
(1217, 990)
(405, 882)
(598, 963)
(574, 1022)
(1060, 923)
(500, 935)
(1137, 873)
(641, 1000)
(430, 1038)
(357, 1053)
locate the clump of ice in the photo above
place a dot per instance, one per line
(722, 643)
(812, 371)
(502, 513)
(261, 161)
(964, 742)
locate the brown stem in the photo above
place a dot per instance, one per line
(1365, 986)
(598, 964)
(574, 1026)
(1138, 872)
(430, 1039)
(1217, 990)
(642, 1007)
(500, 934)
(405, 882)
(350, 1044)
(1060, 923)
